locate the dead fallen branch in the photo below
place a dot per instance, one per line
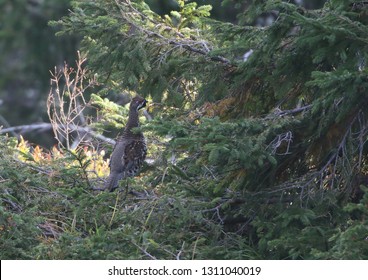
(48, 126)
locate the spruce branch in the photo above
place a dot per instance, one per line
(344, 162)
(179, 40)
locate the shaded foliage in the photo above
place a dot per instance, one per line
(257, 156)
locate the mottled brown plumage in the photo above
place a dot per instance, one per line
(130, 148)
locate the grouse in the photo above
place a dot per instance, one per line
(130, 149)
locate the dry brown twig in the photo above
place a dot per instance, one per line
(66, 103)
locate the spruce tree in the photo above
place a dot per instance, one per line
(259, 132)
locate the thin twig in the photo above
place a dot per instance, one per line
(144, 251)
(66, 106)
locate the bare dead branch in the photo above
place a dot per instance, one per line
(279, 113)
(48, 126)
(277, 142)
(144, 251)
(6, 124)
(66, 105)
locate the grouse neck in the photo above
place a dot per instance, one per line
(133, 121)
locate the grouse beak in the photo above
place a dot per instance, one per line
(143, 104)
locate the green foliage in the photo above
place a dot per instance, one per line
(110, 113)
(263, 157)
(188, 14)
(70, 221)
(350, 240)
(162, 65)
(310, 233)
(234, 150)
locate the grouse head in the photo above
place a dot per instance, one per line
(137, 103)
